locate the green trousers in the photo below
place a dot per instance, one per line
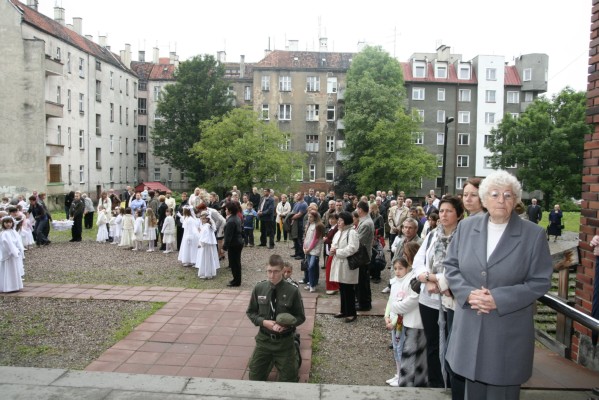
(278, 352)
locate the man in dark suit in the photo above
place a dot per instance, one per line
(534, 212)
(255, 199)
(266, 212)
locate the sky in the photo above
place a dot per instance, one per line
(510, 28)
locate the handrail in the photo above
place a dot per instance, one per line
(570, 312)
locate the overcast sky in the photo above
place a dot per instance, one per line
(510, 28)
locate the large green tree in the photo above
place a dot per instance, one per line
(375, 119)
(546, 144)
(240, 149)
(198, 94)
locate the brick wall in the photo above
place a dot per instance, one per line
(589, 219)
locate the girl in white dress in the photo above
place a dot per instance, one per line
(27, 232)
(168, 231)
(150, 231)
(101, 222)
(138, 231)
(127, 234)
(207, 257)
(189, 244)
(118, 220)
(11, 257)
(112, 226)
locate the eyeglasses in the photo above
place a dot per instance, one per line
(506, 195)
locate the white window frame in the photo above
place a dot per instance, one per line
(81, 139)
(331, 85)
(69, 138)
(330, 144)
(418, 138)
(111, 80)
(489, 118)
(487, 139)
(329, 169)
(465, 95)
(284, 112)
(527, 75)
(111, 174)
(81, 173)
(312, 112)
(265, 112)
(313, 84)
(440, 94)
(81, 69)
(312, 172)
(285, 83)
(312, 143)
(441, 116)
(529, 97)
(419, 69)
(487, 161)
(441, 71)
(440, 138)
(111, 144)
(265, 83)
(462, 161)
(491, 96)
(81, 103)
(460, 181)
(331, 112)
(463, 139)
(439, 160)
(491, 74)
(247, 93)
(418, 93)
(157, 174)
(157, 93)
(515, 115)
(464, 71)
(513, 97)
(463, 117)
(420, 114)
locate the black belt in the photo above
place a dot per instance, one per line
(276, 336)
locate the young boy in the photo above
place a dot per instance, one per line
(249, 216)
(287, 271)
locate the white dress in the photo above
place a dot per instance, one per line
(119, 226)
(112, 225)
(102, 235)
(27, 233)
(150, 231)
(207, 257)
(138, 229)
(169, 230)
(127, 236)
(11, 261)
(189, 243)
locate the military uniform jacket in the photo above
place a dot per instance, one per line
(289, 300)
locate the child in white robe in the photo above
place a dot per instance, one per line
(169, 231)
(27, 232)
(102, 235)
(189, 244)
(11, 257)
(207, 257)
(150, 230)
(112, 227)
(138, 231)
(118, 230)
(127, 234)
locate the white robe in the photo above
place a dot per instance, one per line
(150, 231)
(11, 261)
(127, 237)
(102, 235)
(189, 244)
(138, 229)
(169, 230)
(207, 253)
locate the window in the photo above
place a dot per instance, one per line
(420, 114)
(312, 143)
(126, 146)
(135, 174)
(98, 66)
(513, 97)
(488, 162)
(463, 139)
(111, 144)
(287, 144)
(169, 174)
(156, 173)
(464, 117)
(489, 118)
(440, 138)
(441, 71)
(490, 96)
(58, 54)
(58, 95)
(59, 135)
(98, 91)
(141, 160)
(120, 174)
(418, 137)
(247, 93)
(111, 175)
(120, 147)
(142, 106)
(126, 174)
(330, 144)
(134, 146)
(312, 112)
(463, 161)
(441, 116)
(120, 83)
(111, 112)
(134, 117)
(111, 80)
(135, 89)
(142, 133)
(460, 181)
(419, 69)
(528, 97)
(81, 64)
(81, 141)
(98, 158)
(298, 175)
(81, 174)
(265, 86)
(330, 113)
(157, 93)
(69, 99)
(55, 174)
(488, 140)
(332, 85)
(464, 71)
(98, 125)
(81, 103)
(439, 160)
(440, 94)
(313, 84)
(491, 74)
(329, 173)
(312, 171)
(121, 115)
(284, 112)
(69, 63)
(527, 74)
(265, 112)
(127, 87)
(515, 115)
(464, 95)
(127, 116)
(142, 86)
(417, 93)
(285, 84)
(69, 173)
(69, 137)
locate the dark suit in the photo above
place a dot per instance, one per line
(366, 236)
(267, 221)
(534, 213)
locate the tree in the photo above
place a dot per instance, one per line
(375, 119)
(239, 149)
(546, 143)
(199, 93)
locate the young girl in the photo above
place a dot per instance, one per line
(150, 231)
(189, 244)
(138, 231)
(127, 233)
(118, 225)
(168, 231)
(112, 226)
(402, 318)
(101, 222)
(27, 232)
(11, 257)
(207, 257)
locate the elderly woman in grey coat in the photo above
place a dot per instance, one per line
(497, 266)
(344, 244)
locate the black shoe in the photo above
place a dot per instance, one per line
(376, 280)
(293, 255)
(339, 315)
(262, 245)
(390, 347)
(234, 284)
(360, 308)
(271, 247)
(72, 240)
(299, 257)
(351, 319)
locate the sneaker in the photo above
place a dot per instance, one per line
(394, 379)
(301, 281)
(394, 383)
(307, 287)
(312, 290)
(331, 292)
(386, 290)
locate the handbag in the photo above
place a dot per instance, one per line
(359, 258)
(304, 264)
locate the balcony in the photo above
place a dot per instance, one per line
(52, 67)
(340, 125)
(341, 95)
(54, 150)
(53, 110)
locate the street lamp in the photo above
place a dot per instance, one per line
(448, 120)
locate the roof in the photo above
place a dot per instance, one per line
(512, 77)
(430, 75)
(154, 72)
(59, 31)
(156, 186)
(306, 60)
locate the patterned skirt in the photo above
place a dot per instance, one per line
(413, 372)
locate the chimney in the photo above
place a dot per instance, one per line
(32, 4)
(267, 52)
(89, 37)
(102, 40)
(127, 60)
(323, 42)
(242, 66)
(78, 25)
(122, 55)
(156, 56)
(59, 15)
(70, 26)
(172, 57)
(221, 56)
(141, 56)
(293, 45)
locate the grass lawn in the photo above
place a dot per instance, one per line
(571, 220)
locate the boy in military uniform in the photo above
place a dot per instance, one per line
(275, 341)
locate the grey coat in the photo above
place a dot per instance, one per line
(496, 348)
(366, 233)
